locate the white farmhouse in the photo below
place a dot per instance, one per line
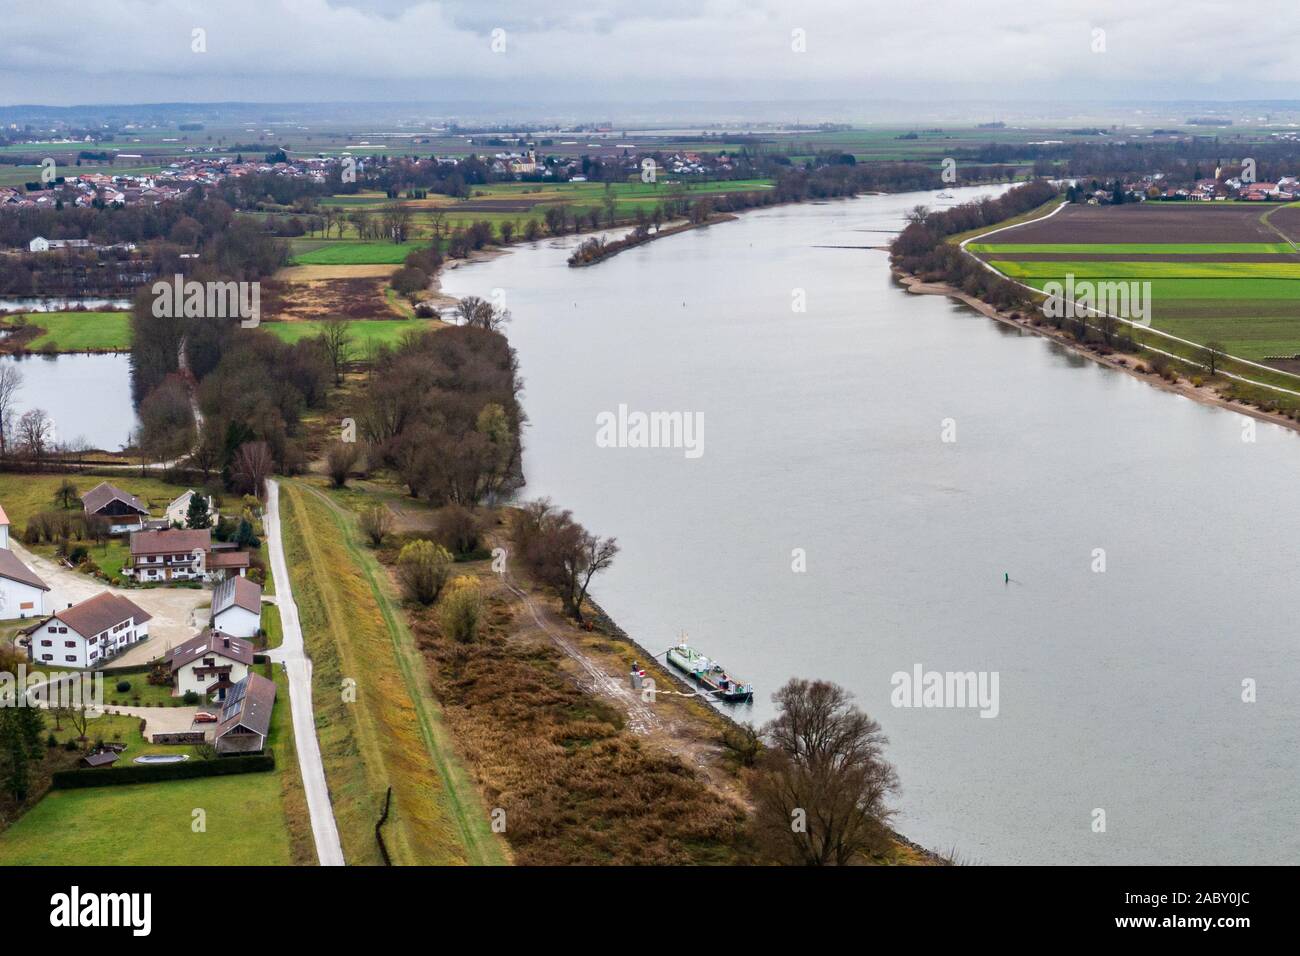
(237, 607)
(39, 244)
(209, 664)
(22, 593)
(179, 510)
(90, 633)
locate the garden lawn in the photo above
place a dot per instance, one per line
(254, 819)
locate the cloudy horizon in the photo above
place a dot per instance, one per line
(143, 51)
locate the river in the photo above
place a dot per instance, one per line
(1120, 690)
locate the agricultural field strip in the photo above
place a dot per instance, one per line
(1151, 269)
(1133, 248)
(1173, 338)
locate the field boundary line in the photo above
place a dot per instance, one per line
(1145, 328)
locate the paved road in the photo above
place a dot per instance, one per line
(292, 654)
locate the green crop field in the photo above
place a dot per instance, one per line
(1118, 269)
(81, 331)
(364, 331)
(349, 253)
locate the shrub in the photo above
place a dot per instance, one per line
(142, 773)
(461, 609)
(422, 569)
(123, 686)
(190, 698)
(376, 522)
(51, 741)
(457, 529)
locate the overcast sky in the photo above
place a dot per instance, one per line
(134, 51)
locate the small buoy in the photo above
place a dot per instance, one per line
(1006, 577)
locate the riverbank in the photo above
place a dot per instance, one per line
(1133, 364)
(607, 250)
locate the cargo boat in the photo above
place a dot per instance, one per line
(709, 674)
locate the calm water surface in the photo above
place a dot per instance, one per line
(87, 396)
(1118, 690)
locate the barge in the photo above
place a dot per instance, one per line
(709, 674)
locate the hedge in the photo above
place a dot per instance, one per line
(144, 773)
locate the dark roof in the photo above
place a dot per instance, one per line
(236, 592)
(100, 613)
(103, 493)
(209, 642)
(103, 758)
(172, 541)
(15, 570)
(227, 559)
(249, 704)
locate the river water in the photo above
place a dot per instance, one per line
(1119, 690)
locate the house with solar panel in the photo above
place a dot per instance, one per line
(245, 718)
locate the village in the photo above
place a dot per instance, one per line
(184, 627)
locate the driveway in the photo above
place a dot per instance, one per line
(292, 655)
(162, 720)
(173, 609)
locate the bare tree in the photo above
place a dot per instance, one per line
(561, 553)
(1214, 352)
(253, 465)
(11, 382)
(821, 784)
(35, 433)
(336, 334)
(481, 314)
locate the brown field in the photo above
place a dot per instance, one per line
(1287, 221)
(1151, 222)
(309, 273)
(308, 299)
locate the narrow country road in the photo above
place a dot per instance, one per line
(292, 654)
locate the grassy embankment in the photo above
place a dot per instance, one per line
(392, 734)
(255, 819)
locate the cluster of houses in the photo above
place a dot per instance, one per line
(1156, 187)
(216, 664)
(90, 186)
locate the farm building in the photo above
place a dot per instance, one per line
(124, 511)
(182, 555)
(237, 607)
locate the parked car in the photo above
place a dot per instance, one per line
(203, 717)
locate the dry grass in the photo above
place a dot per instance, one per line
(576, 787)
(374, 743)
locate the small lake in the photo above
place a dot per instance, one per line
(58, 304)
(1120, 690)
(87, 396)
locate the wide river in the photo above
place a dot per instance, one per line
(1120, 690)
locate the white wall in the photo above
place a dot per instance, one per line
(237, 622)
(186, 681)
(15, 594)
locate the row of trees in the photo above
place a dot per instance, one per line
(922, 250)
